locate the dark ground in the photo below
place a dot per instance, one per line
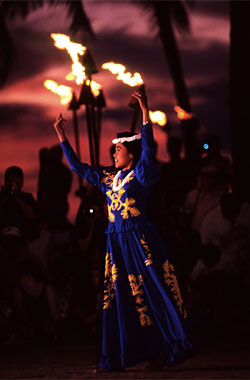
(219, 358)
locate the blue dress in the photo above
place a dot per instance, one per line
(143, 312)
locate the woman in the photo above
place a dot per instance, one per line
(143, 313)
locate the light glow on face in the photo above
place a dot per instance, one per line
(122, 158)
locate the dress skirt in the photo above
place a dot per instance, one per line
(143, 313)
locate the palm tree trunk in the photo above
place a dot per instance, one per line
(240, 94)
(171, 52)
(167, 36)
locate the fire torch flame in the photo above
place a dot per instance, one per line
(182, 114)
(64, 92)
(119, 70)
(95, 87)
(158, 117)
(62, 41)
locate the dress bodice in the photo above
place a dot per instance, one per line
(126, 206)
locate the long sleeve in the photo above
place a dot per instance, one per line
(91, 174)
(147, 171)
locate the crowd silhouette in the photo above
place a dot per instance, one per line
(51, 271)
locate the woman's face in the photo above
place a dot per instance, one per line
(122, 158)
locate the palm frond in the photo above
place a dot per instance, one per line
(15, 9)
(11, 10)
(6, 50)
(173, 10)
(78, 16)
(180, 16)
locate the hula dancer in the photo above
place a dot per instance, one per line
(143, 311)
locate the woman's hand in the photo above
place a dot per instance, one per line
(59, 126)
(142, 99)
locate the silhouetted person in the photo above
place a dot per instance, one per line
(176, 176)
(17, 208)
(213, 157)
(205, 197)
(37, 302)
(43, 189)
(55, 181)
(228, 226)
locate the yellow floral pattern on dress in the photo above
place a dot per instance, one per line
(171, 281)
(137, 291)
(127, 207)
(108, 178)
(145, 246)
(111, 275)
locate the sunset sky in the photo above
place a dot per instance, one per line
(124, 34)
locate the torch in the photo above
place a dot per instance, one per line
(190, 124)
(127, 78)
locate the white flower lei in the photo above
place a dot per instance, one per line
(123, 182)
(127, 139)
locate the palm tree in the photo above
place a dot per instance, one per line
(166, 14)
(11, 10)
(240, 94)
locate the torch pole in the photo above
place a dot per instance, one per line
(135, 118)
(77, 143)
(95, 134)
(99, 125)
(90, 135)
(76, 133)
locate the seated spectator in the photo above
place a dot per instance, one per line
(54, 184)
(205, 197)
(86, 304)
(228, 226)
(176, 176)
(205, 300)
(214, 157)
(37, 302)
(43, 246)
(17, 208)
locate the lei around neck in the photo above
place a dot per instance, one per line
(125, 180)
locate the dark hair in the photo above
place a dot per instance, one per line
(134, 147)
(33, 268)
(13, 171)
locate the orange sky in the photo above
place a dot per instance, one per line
(122, 35)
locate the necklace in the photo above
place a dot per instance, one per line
(123, 182)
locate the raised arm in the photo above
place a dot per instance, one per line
(59, 126)
(92, 174)
(142, 99)
(147, 170)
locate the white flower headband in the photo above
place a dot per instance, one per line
(127, 139)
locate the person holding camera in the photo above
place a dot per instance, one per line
(17, 208)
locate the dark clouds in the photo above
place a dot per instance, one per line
(218, 9)
(213, 112)
(34, 53)
(211, 59)
(16, 117)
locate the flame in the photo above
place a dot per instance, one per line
(62, 41)
(119, 70)
(158, 117)
(182, 114)
(64, 92)
(95, 87)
